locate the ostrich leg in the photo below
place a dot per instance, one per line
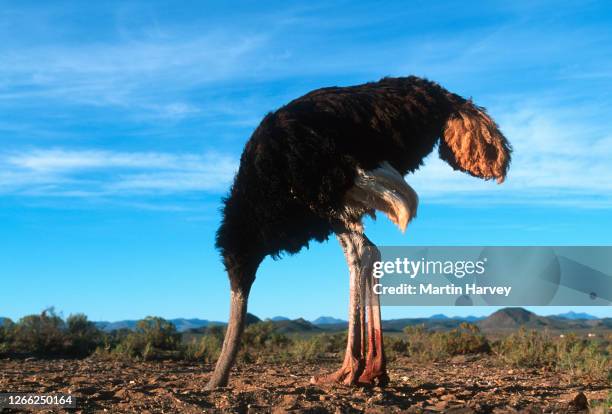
(353, 363)
(382, 189)
(241, 282)
(361, 254)
(376, 367)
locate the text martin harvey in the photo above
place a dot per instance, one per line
(450, 289)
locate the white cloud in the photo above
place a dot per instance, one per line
(147, 75)
(88, 173)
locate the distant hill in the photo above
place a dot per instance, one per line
(278, 318)
(575, 316)
(281, 326)
(469, 318)
(115, 326)
(251, 319)
(296, 325)
(181, 324)
(472, 318)
(512, 318)
(501, 320)
(328, 320)
(438, 324)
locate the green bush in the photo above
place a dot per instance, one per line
(207, 348)
(584, 359)
(426, 345)
(527, 349)
(47, 335)
(260, 342)
(318, 346)
(7, 330)
(578, 357)
(41, 335)
(154, 338)
(395, 347)
(263, 336)
(83, 337)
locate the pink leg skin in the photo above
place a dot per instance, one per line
(358, 369)
(353, 364)
(375, 372)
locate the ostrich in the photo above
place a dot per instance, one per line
(317, 166)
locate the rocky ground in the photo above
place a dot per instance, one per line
(463, 385)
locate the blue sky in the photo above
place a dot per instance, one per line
(122, 124)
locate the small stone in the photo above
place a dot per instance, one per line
(86, 390)
(580, 401)
(460, 410)
(439, 391)
(375, 399)
(122, 394)
(289, 401)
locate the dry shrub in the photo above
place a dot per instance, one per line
(153, 338)
(580, 358)
(261, 343)
(433, 346)
(47, 335)
(207, 348)
(318, 347)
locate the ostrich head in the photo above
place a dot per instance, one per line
(472, 143)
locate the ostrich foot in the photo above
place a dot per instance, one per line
(375, 372)
(374, 377)
(347, 374)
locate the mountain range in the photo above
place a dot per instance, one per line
(181, 324)
(574, 315)
(327, 320)
(503, 319)
(513, 318)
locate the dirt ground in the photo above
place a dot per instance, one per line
(463, 385)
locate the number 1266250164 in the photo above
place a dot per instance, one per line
(27, 400)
